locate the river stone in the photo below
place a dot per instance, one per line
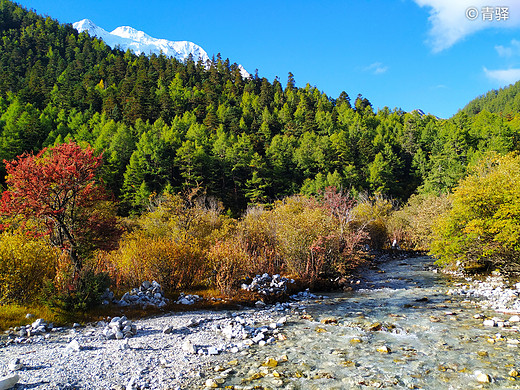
(514, 318)
(38, 322)
(489, 323)
(8, 382)
(329, 320)
(513, 373)
(383, 349)
(211, 383)
(167, 330)
(375, 327)
(482, 377)
(271, 362)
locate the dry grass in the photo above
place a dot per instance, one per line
(14, 315)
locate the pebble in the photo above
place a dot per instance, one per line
(188, 346)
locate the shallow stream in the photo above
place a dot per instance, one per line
(401, 332)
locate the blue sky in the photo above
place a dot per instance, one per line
(407, 54)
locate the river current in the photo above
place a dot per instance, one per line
(400, 332)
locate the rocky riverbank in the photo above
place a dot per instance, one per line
(202, 349)
(173, 351)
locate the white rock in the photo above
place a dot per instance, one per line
(8, 382)
(489, 323)
(15, 365)
(74, 346)
(124, 345)
(258, 337)
(514, 318)
(188, 346)
(38, 322)
(212, 351)
(482, 378)
(167, 330)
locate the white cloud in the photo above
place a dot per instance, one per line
(503, 76)
(376, 68)
(510, 51)
(449, 23)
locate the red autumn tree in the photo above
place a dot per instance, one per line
(58, 188)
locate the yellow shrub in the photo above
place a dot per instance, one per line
(371, 215)
(482, 228)
(199, 218)
(172, 263)
(25, 264)
(300, 221)
(412, 224)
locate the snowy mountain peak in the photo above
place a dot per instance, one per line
(85, 24)
(89, 26)
(131, 33)
(127, 37)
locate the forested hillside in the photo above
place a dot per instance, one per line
(162, 124)
(504, 101)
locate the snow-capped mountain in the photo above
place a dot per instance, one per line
(139, 42)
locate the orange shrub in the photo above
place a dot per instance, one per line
(257, 233)
(230, 262)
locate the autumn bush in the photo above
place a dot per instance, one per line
(300, 221)
(174, 263)
(231, 263)
(412, 224)
(482, 228)
(192, 215)
(25, 265)
(371, 215)
(257, 234)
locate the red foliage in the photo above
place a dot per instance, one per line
(57, 187)
(340, 205)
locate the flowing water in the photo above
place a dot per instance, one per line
(401, 332)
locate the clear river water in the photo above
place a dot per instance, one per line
(401, 332)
